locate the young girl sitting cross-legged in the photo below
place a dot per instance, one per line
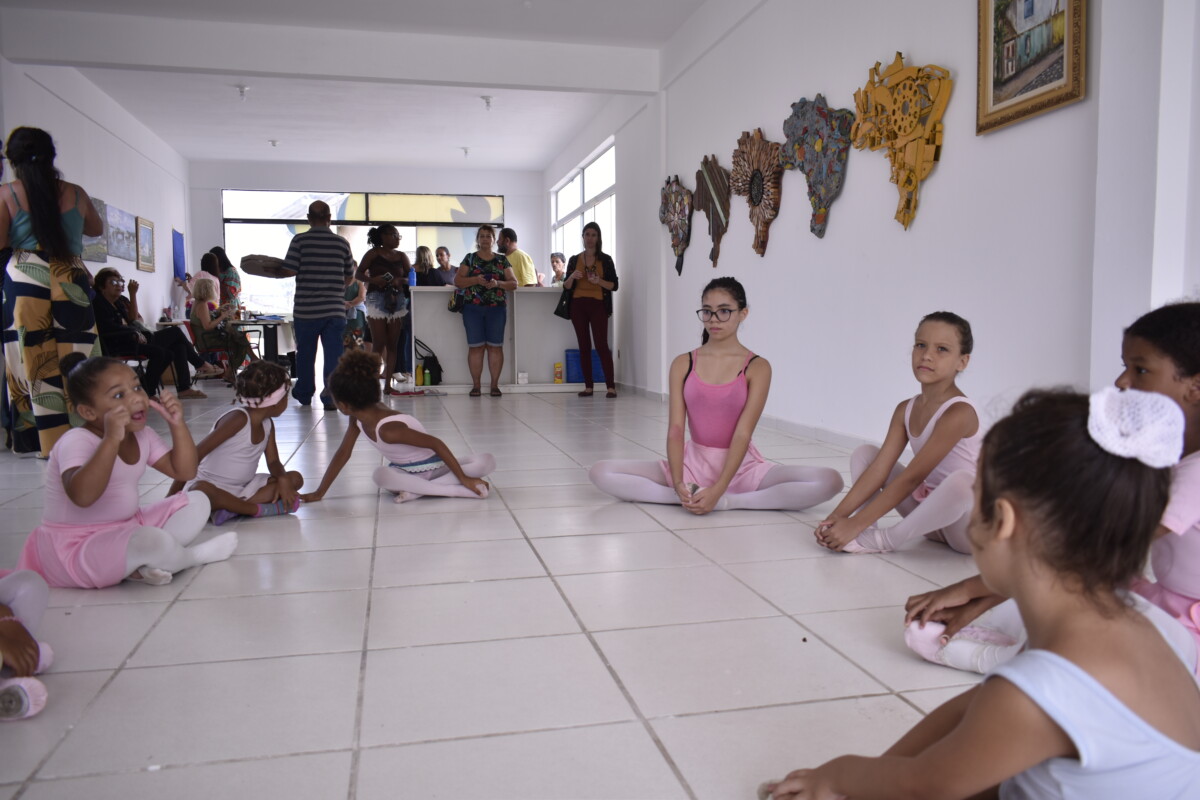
(93, 532)
(419, 464)
(228, 473)
(1103, 704)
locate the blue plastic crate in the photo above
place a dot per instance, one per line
(574, 367)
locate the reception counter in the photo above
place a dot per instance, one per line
(534, 339)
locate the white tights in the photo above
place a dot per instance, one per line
(996, 637)
(946, 510)
(27, 595)
(790, 488)
(440, 482)
(166, 550)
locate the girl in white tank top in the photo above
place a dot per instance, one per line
(933, 492)
(229, 456)
(418, 464)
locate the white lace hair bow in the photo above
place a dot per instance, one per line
(1144, 425)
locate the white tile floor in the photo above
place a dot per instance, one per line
(548, 642)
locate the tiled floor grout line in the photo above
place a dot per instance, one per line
(356, 733)
(612, 672)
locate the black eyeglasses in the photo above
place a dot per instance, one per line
(721, 314)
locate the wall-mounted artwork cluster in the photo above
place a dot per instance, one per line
(818, 144)
(675, 211)
(712, 197)
(758, 177)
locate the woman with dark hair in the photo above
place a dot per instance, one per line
(591, 277)
(230, 278)
(384, 269)
(123, 334)
(485, 277)
(47, 302)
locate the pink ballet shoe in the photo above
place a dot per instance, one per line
(977, 649)
(45, 658)
(21, 698)
(872, 540)
(925, 641)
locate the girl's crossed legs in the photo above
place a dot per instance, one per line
(440, 482)
(790, 488)
(155, 554)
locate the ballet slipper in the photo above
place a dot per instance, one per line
(872, 540)
(21, 698)
(976, 648)
(45, 658)
(151, 576)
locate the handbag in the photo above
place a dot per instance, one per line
(433, 367)
(456, 302)
(563, 309)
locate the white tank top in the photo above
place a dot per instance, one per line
(235, 461)
(963, 455)
(401, 453)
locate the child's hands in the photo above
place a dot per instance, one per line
(836, 533)
(286, 493)
(168, 407)
(476, 485)
(19, 649)
(923, 607)
(684, 491)
(803, 784)
(116, 420)
(702, 500)
(312, 497)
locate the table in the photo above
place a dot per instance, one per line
(270, 329)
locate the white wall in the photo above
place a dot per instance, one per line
(524, 201)
(110, 154)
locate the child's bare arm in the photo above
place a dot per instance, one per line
(335, 467)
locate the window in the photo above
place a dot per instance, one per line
(264, 222)
(589, 195)
(1028, 8)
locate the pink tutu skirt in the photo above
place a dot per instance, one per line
(1181, 607)
(703, 465)
(90, 556)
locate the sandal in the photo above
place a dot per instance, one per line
(475, 392)
(495, 392)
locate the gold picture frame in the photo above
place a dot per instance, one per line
(145, 245)
(1032, 59)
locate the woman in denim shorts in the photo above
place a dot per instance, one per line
(485, 277)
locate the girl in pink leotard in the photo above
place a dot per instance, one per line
(719, 391)
(93, 532)
(418, 464)
(933, 492)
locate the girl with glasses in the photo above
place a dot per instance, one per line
(719, 391)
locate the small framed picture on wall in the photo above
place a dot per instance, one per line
(145, 245)
(1032, 59)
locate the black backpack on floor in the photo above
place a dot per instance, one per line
(433, 367)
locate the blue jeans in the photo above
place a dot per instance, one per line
(404, 360)
(329, 331)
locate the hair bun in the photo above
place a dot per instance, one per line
(1133, 424)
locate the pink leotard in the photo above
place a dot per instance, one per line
(713, 411)
(401, 455)
(964, 455)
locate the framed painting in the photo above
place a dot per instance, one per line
(95, 248)
(145, 245)
(121, 234)
(1032, 59)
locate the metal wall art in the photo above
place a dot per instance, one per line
(675, 211)
(818, 143)
(757, 176)
(712, 197)
(901, 109)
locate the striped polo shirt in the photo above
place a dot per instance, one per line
(323, 263)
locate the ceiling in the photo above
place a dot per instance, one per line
(201, 115)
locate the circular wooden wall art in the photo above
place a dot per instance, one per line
(757, 176)
(675, 211)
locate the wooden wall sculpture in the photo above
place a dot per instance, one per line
(901, 109)
(675, 211)
(818, 144)
(757, 176)
(712, 197)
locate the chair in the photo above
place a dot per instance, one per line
(221, 353)
(134, 361)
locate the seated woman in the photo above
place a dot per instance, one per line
(122, 334)
(210, 333)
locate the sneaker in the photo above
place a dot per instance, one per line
(21, 698)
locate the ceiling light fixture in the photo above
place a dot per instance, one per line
(487, 101)
(466, 151)
(242, 89)
(273, 142)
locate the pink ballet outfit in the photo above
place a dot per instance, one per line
(86, 547)
(233, 465)
(419, 461)
(1175, 557)
(713, 411)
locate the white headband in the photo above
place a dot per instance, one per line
(270, 400)
(1144, 425)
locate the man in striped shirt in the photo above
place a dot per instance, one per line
(324, 268)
